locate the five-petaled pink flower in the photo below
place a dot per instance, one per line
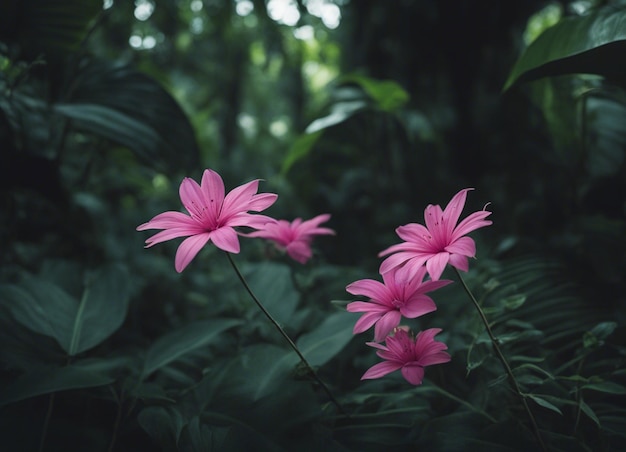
(212, 216)
(402, 294)
(441, 242)
(409, 355)
(294, 237)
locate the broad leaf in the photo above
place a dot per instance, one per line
(592, 44)
(163, 425)
(272, 284)
(387, 94)
(300, 149)
(544, 403)
(102, 309)
(184, 340)
(327, 339)
(132, 109)
(606, 386)
(77, 326)
(47, 381)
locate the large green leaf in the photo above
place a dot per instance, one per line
(592, 44)
(45, 308)
(47, 381)
(102, 309)
(328, 339)
(387, 94)
(272, 284)
(184, 340)
(133, 110)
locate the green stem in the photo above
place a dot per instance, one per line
(46, 422)
(503, 360)
(284, 334)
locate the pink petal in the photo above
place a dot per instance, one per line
(192, 197)
(250, 220)
(380, 370)
(376, 345)
(365, 322)
(212, 187)
(386, 323)
(238, 200)
(471, 223)
(418, 306)
(458, 261)
(434, 223)
(168, 220)
(413, 373)
(427, 336)
(169, 234)
(370, 288)
(226, 239)
(436, 264)
(430, 286)
(262, 201)
(398, 259)
(188, 249)
(453, 210)
(435, 358)
(464, 246)
(415, 233)
(366, 306)
(299, 251)
(313, 222)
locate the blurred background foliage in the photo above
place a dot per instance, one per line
(355, 108)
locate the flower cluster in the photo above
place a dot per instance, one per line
(425, 250)
(214, 215)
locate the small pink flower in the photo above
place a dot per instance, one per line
(408, 354)
(441, 242)
(402, 294)
(294, 237)
(212, 216)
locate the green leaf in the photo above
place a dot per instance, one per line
(589, 412)
(47, 381)
(163, 425)
(328, 339)
(41, 307)
(340, 111)
(387, 94)
(77, 326)
(102, 309)
(300, 149)
(179, 342)
(272, 284)
(544, 403)
(130, 108)
(513, 302)
(270, 365)
(593, 44)
(606, 386)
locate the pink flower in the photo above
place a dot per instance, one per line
(294, 237)
(408, 354)
(441, 242)
(402, 294)
(212, 216)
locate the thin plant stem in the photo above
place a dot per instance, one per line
(284, 334)
(503, 360)
(118, 418)
(46, 422)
